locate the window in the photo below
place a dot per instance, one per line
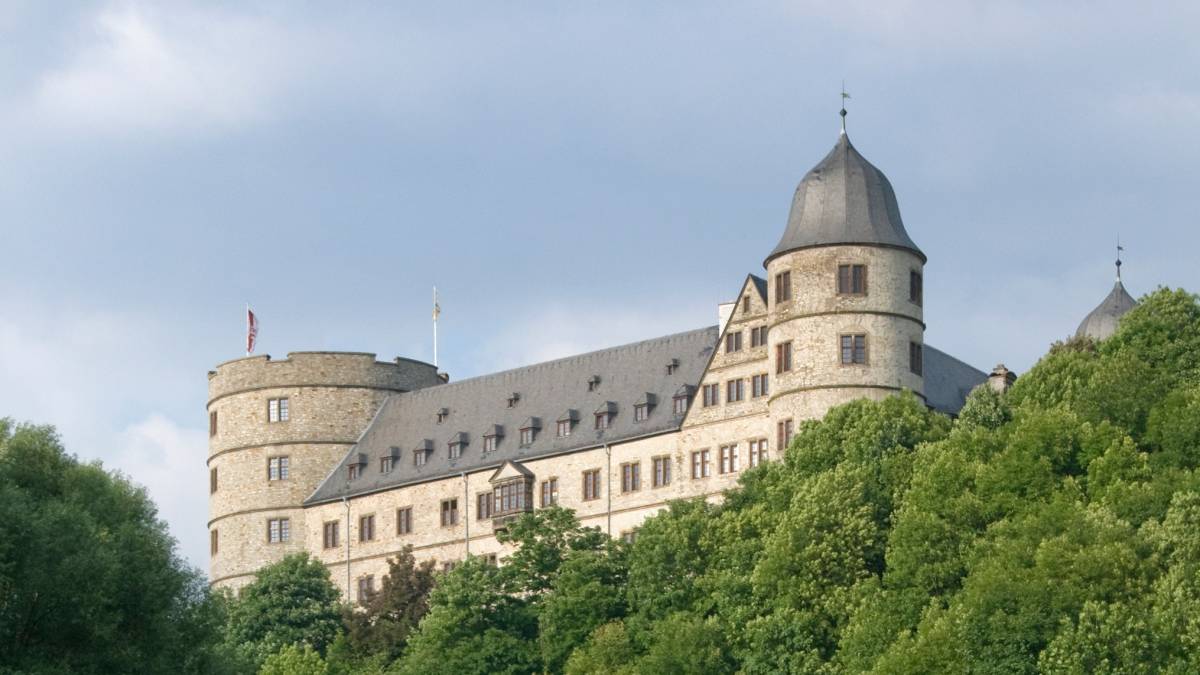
(783, 357)
(456, 447)
(783, 287)
(387, 463)
(489, 443)
(915, 357)
(629, 536)
(404, 520)
(662, 471)
(329, 534)
(212, 542)
(745, 304)
(631, 477)
(277, 468)
(729, 459)
(681, 404)
(513, 398)
(492, 559)
(212, 480)
(591, 484)
(564, 428)
(212, 424)
(712, 395)
(916, 291)
(366, 588)
(852, 280)
(420, 456)
(641, 412)
(700, 467)
(277, 410)
(758, 336)
(733, 342)
(549, 492)
(854, 349)
(449, 512)
(593, 383)
(758, 451)
(366, 528)
(784, 432)
(527, 436)
(278, 530)
(735, 390)
(603, 420)
(758, 385)
(483, 505)
(353, 471)
(672, 366)
(513, 496)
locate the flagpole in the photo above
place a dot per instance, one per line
(436, 311)
(247, 329)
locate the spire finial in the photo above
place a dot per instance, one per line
(1120, 248)
(843, 111)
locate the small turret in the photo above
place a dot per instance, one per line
(1102, 322)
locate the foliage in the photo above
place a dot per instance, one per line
(89, 578)
(383, 625)
(294, 660)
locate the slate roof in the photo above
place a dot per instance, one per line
(1101, 322)
(948, 380)
(761, 285)
(548, 391)
(844, 199)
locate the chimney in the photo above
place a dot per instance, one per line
(1001, 378)
(724, 314)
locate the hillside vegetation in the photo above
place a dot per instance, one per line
(1053, 529)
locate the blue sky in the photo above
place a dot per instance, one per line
(570, 175)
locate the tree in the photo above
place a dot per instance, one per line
(587, 593)
(89, 577)
(383, 625)
(294, 660)
(292, 602)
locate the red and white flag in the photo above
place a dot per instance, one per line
(251, 330)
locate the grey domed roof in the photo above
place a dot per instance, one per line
(1102, 321)
(844, 200)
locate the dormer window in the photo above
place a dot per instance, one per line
(456, 445)
(672, 366)
(513, 398)
(355, 468)
(491, 439)
(442, 414)
(421, 452)
(682, 400)
(605, 414)
(566, 422)
(529, 429)
(642, 406)
(640, 413)
(388, 461)
(593, 383)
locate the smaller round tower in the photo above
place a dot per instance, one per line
(846, 291)
(276, 430)
(1102, 322)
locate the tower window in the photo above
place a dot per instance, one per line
(733, 342)
(277, 468)
(784, 429)
(366, 528)
(758, 336)
(212, 542)
(277, 410)
(329, 534)
(852, 280)
(783, 287)
(735, 390)
(916, 292)
(212, 480)
(783, 357)
(279, 530)
(449, 512)
(915, 357)
(212, 424)
(854, 349)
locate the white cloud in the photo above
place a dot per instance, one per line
(136, 69)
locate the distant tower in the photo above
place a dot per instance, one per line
(846, 289)
(1102, 322)
(276, 429)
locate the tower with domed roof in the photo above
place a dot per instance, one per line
(845, 292)
(1102, 321)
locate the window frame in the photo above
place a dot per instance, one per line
(485, 503)
(449, 512)
(366, 528)
(212, 423)
(916, 287)
(330, 535)
(701, 464)
(733, 342)
(549, 492)
(213, 542)
(853, 282)
(278, 468)
(404, 521)
(859, 346)
(213, 483)
(563, 428)
(662, 471)
(279, 530)
(631, 476)
(591, 485)
(729, 462)
(783, 287)
(783, 358)
(785, 430)
(916, 358)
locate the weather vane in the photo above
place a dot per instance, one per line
(1120, 248)
(843, 112)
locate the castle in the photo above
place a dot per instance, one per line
(351, 459)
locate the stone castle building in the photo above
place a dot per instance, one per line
(351, 459)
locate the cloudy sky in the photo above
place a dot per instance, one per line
(569, 178)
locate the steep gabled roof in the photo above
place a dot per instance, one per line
(477, 405)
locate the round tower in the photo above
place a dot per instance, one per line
(1102, 321)
(276, 430)
(845, 288)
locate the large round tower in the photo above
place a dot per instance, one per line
(845, 292)
(276, 430)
